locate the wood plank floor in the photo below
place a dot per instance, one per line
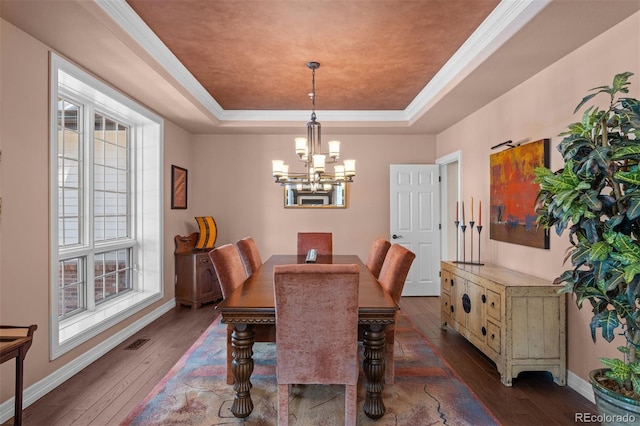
(107, 390)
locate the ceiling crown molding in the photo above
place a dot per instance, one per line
(501, 24)
(506, 19)
(130, 22)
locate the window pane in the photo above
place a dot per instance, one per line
(98, 131)
(68, 117)
(69, 173)
(98, 228)
(110, 134)
(112, 274)
(98, 154)
(98, 178)
(122, 181)
(123, 136)
(110, 179)
(72, 286)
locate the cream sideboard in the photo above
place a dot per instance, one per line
(517, 320)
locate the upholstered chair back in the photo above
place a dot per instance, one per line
(393, 274)
(322, 242)
(377, 253)
(316, 330)
(250, 255)
(394, 270)
(229, 268)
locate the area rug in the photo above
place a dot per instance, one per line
(426, 391)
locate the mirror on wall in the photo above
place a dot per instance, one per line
(332, 196)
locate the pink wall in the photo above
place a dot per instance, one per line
(542, 107)
(235, 174)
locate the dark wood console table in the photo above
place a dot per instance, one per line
(14, 343)
(196, 279)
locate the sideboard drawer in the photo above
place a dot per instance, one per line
(493, 336)
(493, 305)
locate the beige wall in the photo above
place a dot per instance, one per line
(540, 108)
(24, 224)
(233, 183)
(229, 178)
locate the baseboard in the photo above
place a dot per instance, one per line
(53, 380)
(580, 385)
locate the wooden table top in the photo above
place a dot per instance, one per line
(14, 338)
(253, 302)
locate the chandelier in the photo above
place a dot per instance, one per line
(309, 151)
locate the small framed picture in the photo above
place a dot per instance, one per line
(178, 187)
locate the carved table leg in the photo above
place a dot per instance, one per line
(242, 340)
(373, 367)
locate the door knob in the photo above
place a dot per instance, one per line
(395, 237)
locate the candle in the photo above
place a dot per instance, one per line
(457, 207)
(471, 209)
(463, 212)
(480, 213)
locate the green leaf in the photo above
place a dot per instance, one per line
(630, 151)
(608, 321)
(614, 364)
(633, 211)
(584, 101)
(635, 381)
(614, 281)
(620, 81)
(630, 271)
(599, 251)
(632, 178)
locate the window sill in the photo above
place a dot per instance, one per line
(88, 324)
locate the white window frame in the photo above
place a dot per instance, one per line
(146, 137)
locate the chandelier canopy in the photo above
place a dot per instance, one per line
(309, 151)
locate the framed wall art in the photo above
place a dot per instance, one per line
(178, 187)
(513, 194)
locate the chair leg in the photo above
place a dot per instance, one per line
(230, 379)
(350, 405)
(389, 349)
(283, 405)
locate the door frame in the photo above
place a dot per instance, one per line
(447, 188)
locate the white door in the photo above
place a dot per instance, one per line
(415, 223)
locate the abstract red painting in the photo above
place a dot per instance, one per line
(513, 194)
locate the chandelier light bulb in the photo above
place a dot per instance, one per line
(338, 169)
(301, 147)
(334, 149)
(318, 163)
(349, 168)
(277, 166)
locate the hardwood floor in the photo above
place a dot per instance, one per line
(106, 391)
(533, 399)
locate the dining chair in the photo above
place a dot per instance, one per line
(317, 330)
(229, 268)
(393, 275)
(231, 274)
(377, 253)
(322, 242)
(250, 255)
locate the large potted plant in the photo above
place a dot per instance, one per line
(596, 197)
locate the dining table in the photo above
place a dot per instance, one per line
(252, 305)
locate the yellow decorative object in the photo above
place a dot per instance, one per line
(208, 232)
